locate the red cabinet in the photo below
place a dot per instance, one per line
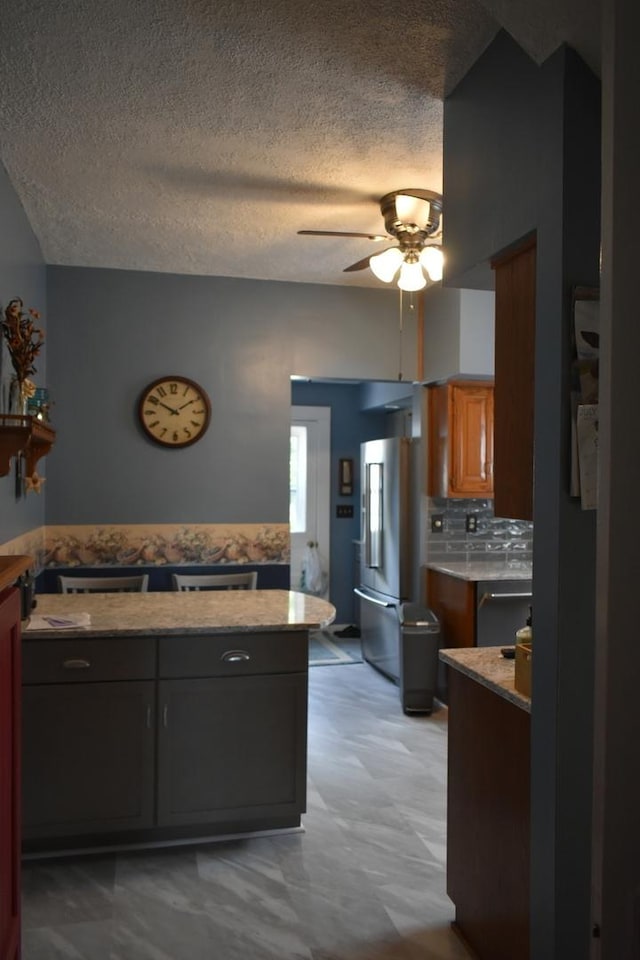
(10, 774)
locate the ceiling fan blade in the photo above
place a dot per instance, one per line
(362, 264)
(337, 233)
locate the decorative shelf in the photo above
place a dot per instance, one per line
(24, 435)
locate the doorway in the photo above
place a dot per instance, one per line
(309, 488)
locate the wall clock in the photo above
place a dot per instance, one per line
(174, 411)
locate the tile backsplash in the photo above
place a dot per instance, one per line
(494, 540)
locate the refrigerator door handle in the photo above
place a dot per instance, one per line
(365, 596)
(374, 515)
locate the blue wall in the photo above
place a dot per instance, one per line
(22, 274)
(114, 331)
(350, 426)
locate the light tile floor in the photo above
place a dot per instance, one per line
(365, 881)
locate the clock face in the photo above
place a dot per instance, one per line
(174, 411)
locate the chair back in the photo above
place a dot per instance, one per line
(135, 584)
(216, 581)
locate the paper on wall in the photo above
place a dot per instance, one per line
(587, 433)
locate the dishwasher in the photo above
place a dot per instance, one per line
(502, 607)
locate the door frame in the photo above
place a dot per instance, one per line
(322, 417)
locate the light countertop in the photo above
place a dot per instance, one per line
(175, 612)
(480, 570)
(488, 667)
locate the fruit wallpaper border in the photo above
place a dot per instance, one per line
(153, 544)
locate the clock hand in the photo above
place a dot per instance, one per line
(186, 404)
(170, 409)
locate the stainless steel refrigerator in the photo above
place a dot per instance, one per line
(386, 548)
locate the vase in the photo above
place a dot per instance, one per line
(18, 398)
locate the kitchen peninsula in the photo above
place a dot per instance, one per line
(488, 806)
(165, 716)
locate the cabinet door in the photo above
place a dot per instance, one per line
(231, 749)
(515, 276)
(88, 757)
(471, 440)
(9, 774)
(461, 439)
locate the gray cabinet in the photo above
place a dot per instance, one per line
(231, 749)
(232, 728)
(150, 738)
(88, 756)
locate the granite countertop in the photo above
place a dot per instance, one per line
(481, 570)
(178, 613)
(488, 667)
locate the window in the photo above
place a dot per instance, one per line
(298, 479)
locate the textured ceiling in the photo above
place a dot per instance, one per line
(194, 136)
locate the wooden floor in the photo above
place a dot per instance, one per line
(364, 881)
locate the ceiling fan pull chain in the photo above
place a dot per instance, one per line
(400, 332)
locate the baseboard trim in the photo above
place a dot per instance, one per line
(158, 844)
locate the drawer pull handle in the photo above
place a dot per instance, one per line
(76, 664)
(235, 656)
(165, 715)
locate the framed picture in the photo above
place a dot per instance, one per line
(345, 477)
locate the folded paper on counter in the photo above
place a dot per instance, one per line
(76, 621)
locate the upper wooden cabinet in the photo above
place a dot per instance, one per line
(461, 439)
(515, 282)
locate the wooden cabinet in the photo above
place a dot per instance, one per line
(144, 738)
(488, 820)
(476, 612)
(9, 774)
(515, 283)
(453, 600)
(461, 439)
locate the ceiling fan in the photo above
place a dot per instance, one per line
(412, 218)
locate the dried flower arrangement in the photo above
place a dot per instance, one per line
(24, 341)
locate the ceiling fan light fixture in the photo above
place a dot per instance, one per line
(385, 265)
(411, 212)
(411, 276)
(432, 259)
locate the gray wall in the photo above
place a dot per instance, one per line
(522, 151)
(492, 188)
(617, 780)
(114, 331)
(22, 274)
(458, 333)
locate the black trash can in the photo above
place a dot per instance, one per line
(419, 645)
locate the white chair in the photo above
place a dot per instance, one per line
(135, 584)
(216, 581)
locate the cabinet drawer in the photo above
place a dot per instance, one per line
(79, 660)
(232, 654)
